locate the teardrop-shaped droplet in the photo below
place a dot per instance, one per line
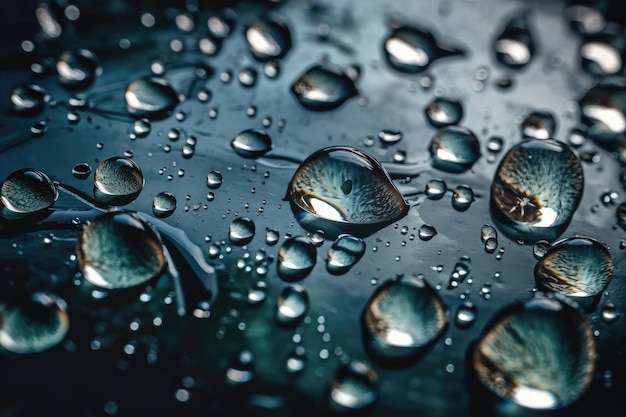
(33, 325)
(296, 258)
(268, 38)
(354, 386)
(142, 127)
(117, 181)
(602, 109)
(536, 190)
(323, 87)
(401, 319)
(150, 97)
(344, 190)
(539, 354)
(78, 68)
(251, 143)
(412, 50)
(344, 254)
(443, 111)
(576, 267)
(241, 369)
(292, 305)
(515, 46)
(539, 125)
(454, 149)
(241, 231)
(164, 204)
(28, 100)
(27, 191)
(119, 250)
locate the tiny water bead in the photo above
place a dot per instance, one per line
(150, 97)
(539, 354)
(539, 124)
(344, 190)
(602, 109)
(323, 88)
(27, 191)
(119, 250)
(214, 180)
(241, 231)
(536, 189)
(164, 204)
(402, 317)
(454, 149)
(251, 143)
(292, 305)
(81, 170)
(78, 68)
(409, 49)
(577, 267)
(296, 258)
(436, 189)
(33, 325)
(142, 127)
(117, 181)
(354, 386)
(344, 253)
(444, 111)
(28, 100)
(515, 46)
(268, 38)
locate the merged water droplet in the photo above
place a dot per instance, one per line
(296, 258)
(119, 250)
(354, 386)
(412, 50)
(401, 319)
(28, 100)
(78, 68)
(515, 46)
(345, 252)
(33, 325)
(268, 38)
(26, 191)
(164, 204)
(150, 97)
(251, 143)
(536, 190)
(444, 111)
(291, 306)
(454, 149)
(344, 190)
(539, 124)
(323, 87)
(602, 109)
(117, 181)
(539, 354)
(241, 231)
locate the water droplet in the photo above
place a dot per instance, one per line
(251, 143)
(609, 313)
(33, 325)
(164, 204)
(257, 293)
(296, 258)
(241, 369)
(28, 100)
(402, 317)
(389, 137)
(487, 232)
(577, 136)
(515, 46)
(188, 151)
(271, 237)
(119, 250)
(38, 129)
(462, 197)
(354, 386)
(268, 38)
(465, 315)
(78, 68)
(454, 149)
(539, 354)
(539, 125)
(600, 55)
(247, 77)
(344, 190)
(117, 181)
(291, 306)
(142, 127)
(577, 267)
(426, 232)
(412, 50)
(436, 189)
(150, 97)
(26, 191)
(602, 109)
(495, 144)
(584, 20)
(443, 111)
(344, 253)
(323, 87)
(536, 190)
(241, 231)
(81, 170)
(297, 360)
(214, 180)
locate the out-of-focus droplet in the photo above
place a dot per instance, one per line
(296, 258)
(454, 149)
(536, 190)
(584, 20)
(257, 293)
(323, 87)
(78, 68)
(251, 143)
(344, 190)
(465, 315)
(241, 231)
(602, 109)
(268, 38)
(292, 305)
(117, 181)
(444, 111)
(297, 360)
(514, 46)
(344, 254)
(577, 136)
(28, 100)
(150, 97)
(354, 386)
(164, 204)
(241, 369)
(26, 191)
(539, 124)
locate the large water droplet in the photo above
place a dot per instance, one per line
(119, 250)
(78, 68)
(602, 109)
(443, 111)
(323, 87)
(117, 181)
(251, 143)
(411, 50)
(33, 325)
(268, 38)
(26, 191)
(515, 46)
(354, 386)
(296, 258)
(539, 354)
(539, 125)
(28, 100)
(344, 253)
(454, 149)
(536, 190)
(344, 190)
(292, 305)
(164, 204)
(241, 231)
(150, 97)
(401, 319)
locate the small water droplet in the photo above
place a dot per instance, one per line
(354, 386)
(296, 258)
(344, 253)
(609, 313)
(297, 360)
(465, 315)
(78, 68)
(271, 237)
(241, 369)
(28, 100)
(150, 97)
(426, 232)
(602, 109)
(81, 170)
(462, 197)
(268, 38)
(323, 87)
(251, 143)
(241, 231)
(539, 125)
(454, 149)
(292, 305)
(444, 111)
(436, 189)
(214, 180)
(514, 46)
(164, 204)
(257, 293)
(117, 181)
(389, 137)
